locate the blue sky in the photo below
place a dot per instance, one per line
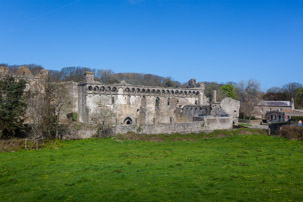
(210, 40)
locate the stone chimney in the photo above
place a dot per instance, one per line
(214, 96)
(89, 77)
(292, 102)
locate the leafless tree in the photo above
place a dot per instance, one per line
(35, 111)
(291, 89)
(104, 120)
(249, 95)
(45, 110)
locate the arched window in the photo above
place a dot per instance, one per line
(128, 121)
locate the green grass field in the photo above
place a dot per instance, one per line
(233, 168)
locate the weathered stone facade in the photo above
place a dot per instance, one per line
(34, 82)
(153, 109)
(140, 109)
(263, 107)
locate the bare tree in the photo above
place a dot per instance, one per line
(45, 110)
(291, 89)
(35, 111)
(103, 119)
(249, 95)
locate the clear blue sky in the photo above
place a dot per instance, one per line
(210, 40)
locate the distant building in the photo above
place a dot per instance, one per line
(263, 107)
(282, 116)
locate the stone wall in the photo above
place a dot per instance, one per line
(209, 124)
(206, 125)
(142, 104)
(80, 134)
(232, 108)
(140, 109)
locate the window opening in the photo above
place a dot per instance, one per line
(157, 105)
(128, 121)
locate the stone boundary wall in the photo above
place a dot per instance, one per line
(252, 122)
(209, 124)
(80, 134)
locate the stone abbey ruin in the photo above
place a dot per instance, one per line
(140, 109)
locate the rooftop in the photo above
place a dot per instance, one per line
(275, 103)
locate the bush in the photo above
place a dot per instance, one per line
(104, 132)
(292, 132)
(296, 118)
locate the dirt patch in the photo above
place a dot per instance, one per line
(221, 135)
(252, 132)
(244, 132)
(11, 145)
(155, 139)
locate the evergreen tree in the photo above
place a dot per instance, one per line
(12, 107)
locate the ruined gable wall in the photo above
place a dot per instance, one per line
(34, 83)
(232, 108)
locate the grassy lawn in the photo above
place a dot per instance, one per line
(232, 168)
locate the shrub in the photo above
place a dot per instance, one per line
(292, 132)
(75, 116)
(139, 129)
(296, 118)
(104, 132)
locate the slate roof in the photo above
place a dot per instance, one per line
(275, 103)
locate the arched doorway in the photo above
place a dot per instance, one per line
(128, 121)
